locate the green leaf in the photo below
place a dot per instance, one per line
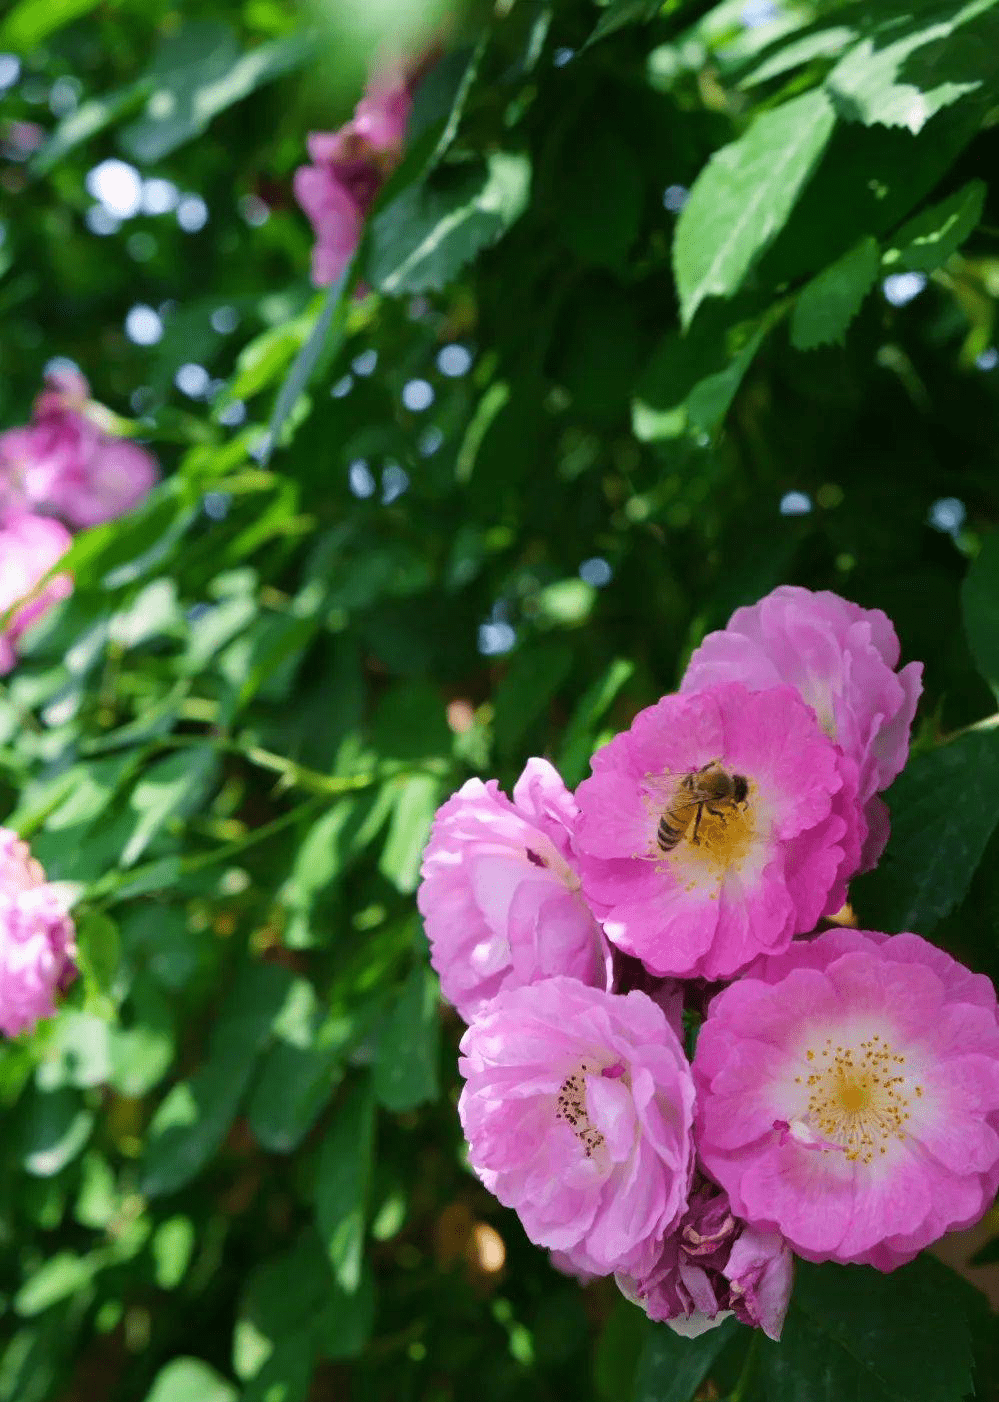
(927, 241)
(410, 723)
(937, 840)
(415, 802)
(198, 73)
(852, 1332)
(170, 788)
(190, 1380)
(534, 676)
(785, 57)
(671, 1369)
(743, 197)
(601, 194)
(171, 1249)
(142, 1050)
(318, 342)
(405, 1071)
(342, 1179)
(282, 1303)
(62, 1275)
(619, 13)
(55, 1130)
(826, 305)
(691, 380)
(579, 736)
(300, 1073)
(191, 1122)
(869, 84)
(423, 239)
(31, 22)
(347, 1322)
(86, 121)
(286, 1375)
(980, 609)
(617, 1352)
(99, 951)
(77, 1052)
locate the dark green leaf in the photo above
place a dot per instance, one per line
(534, 676)
(600, 199)
(619, 13)
(318, 342)
(342, 1179)
(190, 1124)
(405, 1072)
(852, 1332)
(936, 843)
(980, 607)
(826, 306)
(926, 242)
(671, 1369)
(55, 1130)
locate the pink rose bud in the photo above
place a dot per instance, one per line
(37, 939)
(713, 1266)
(66, 464)
(842, 659)
(349, 168)
(29, 547)
(596, 1165)
(848, 1096)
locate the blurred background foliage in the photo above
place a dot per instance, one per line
(667, 304)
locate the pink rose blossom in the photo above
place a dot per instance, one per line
(37, 940)
(577, 1109)
(19, 871)
(500, 894)
(745, 875)
(349, 168)
(712, 1266)
(842, 659)
(848, 1095)
(66, 464)
(29, 547)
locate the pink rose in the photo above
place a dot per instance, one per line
(37, 939)
(712, 1266)
(577, 1108)
(842, 659)
(29, 547)
(500, 895)
(848, 1096)
(349, 168)
(66, 464)
(697, 886)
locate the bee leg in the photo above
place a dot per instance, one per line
(697, 823)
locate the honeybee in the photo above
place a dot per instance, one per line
(710, 788)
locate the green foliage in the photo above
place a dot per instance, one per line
(743, 197)
(855, 1333)
(826, 305)
(234, 1164)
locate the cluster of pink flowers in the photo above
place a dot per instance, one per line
(349, 168)
(64, 469)
(37, 939)
(842, 1102)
